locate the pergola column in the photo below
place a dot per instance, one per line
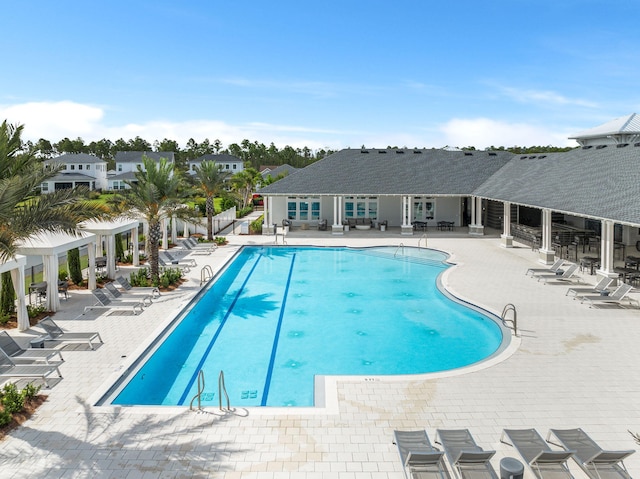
(607, 250)
(18, 279)
(91, 279)
(407, 227)
(174, 230)
(136, 246)
(111, 256)
(546, 252)
(336, 227)
(507, 239)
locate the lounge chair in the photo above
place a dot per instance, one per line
(173, 260)
(194, 247)
(543, 461)
(182, 267)
(614, 298)
(596, 462)
(9, 369)
(468, 459)
(118, 296)
(105, 303)
(17, 353)
(599, 287)
(567, 275)
(126, 285)
(419, 458)
(551, 269)
(56, 333)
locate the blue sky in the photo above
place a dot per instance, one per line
(334, 74)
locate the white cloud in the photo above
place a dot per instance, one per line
(485, 132)
(54, 120)
(545, 97)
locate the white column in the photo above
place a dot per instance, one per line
(165, 237)
(145, 233)
(50, 263)
(98, 245)
(546, 253)
(473, 211)
(606, 247)
(340, 201)
(111, 256)
(507, 239)
(174, 230)
(136, 246)
(185, 232)
(479, 212)
(17, 276)
(335, 212)
(91, 275)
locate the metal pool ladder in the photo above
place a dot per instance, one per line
(425, 240)
(206, 273)
(222, 389)
(510, 308)
(200, 391)
(399, 248)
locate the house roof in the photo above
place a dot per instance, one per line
(393, 172)
(278, 170)
(624, 125)
(65, 177)
(75, 158)
(136, 156)
(599, 182)
(126, 176)
(221, 158)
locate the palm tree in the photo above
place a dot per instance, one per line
(154, 196)
(244, 183)
(22, 212)
(210, 178)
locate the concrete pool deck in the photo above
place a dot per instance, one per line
(574, 366)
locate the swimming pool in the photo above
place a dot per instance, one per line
(276, 317)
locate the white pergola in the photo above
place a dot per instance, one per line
(50, 246)
(109, 230)
(16, 267)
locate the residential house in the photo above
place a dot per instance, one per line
(127, 163)
(78, 169)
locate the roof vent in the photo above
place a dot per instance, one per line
(382, 152)
(468, 153)
(532, 157)
(587, 147)
(399, 152)
(542, 156)
(364, 151)
(493, 153)
(636, 144)
(622, 145)
(524, 157)
(600, 147)
(417, 152)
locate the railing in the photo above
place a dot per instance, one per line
(198, 396)
(222, 389)
(205, 274)
(510, 308)
(399, 248)
(424, 236)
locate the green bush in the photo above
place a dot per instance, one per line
(12, 400)
(7, 295)
(119, 247)
(75, 269)
(34, 310)
(5, 418)
(62, 275)
(4, 318)
(220, 240)
(227, 203)
(244, 211)
(140, 278)
(256, 226)
(29, 392)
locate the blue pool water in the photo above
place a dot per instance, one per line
(278, 316)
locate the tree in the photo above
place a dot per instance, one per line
(244, 183)
(154, 196)
(210, 179)
(73, 263)
(22, 213)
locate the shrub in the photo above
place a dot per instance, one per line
(75, 270)
(227, 203)
(139, 278)
(7, 295)
(4, 318)
(29, 392)
(12, 400)
(244, 211)
(119, 247)
(256, 226)
(5, 418)
(34, 310)
(220, 240)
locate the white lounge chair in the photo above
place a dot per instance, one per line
(596, 462)
(614, 298)
(599, 287)
(33, 355)
(146, 299)
(468, 459)
(105, 303)
(419, 458)
(185, 268)
(543, 461)
(149, 290)
(567, 275)
(56, 333)
(551, 269)
(194, 247)
(173, 260)
(9, 369)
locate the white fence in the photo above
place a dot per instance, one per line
(220, 222)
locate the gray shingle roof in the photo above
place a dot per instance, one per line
(136, 156)
(600, 182)
(392, 172)
(286, 169)
(75, 158)
(623, 125)
(221, 158)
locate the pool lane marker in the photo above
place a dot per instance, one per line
(276, 339)
(218, 331)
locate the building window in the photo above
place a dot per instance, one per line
(303, 208)
(120, 167)
(423, 209)
(44, 187)
(88, 167)
(73, 167)
(79, 167)
(361, 207)
(235, 166)
(226, 166)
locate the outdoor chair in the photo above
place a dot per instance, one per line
(118, 296)
(126, 285)
(56, 333)
(9, 369)
(105, 303)
(173, 260)
(599, 287)
(468, 459)
(19, 354)
(182, 267)
(567, 275)
(596, 462)
(614, 298)
(63, 289)
(543, 461)
(551, 269)
(419, 458)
